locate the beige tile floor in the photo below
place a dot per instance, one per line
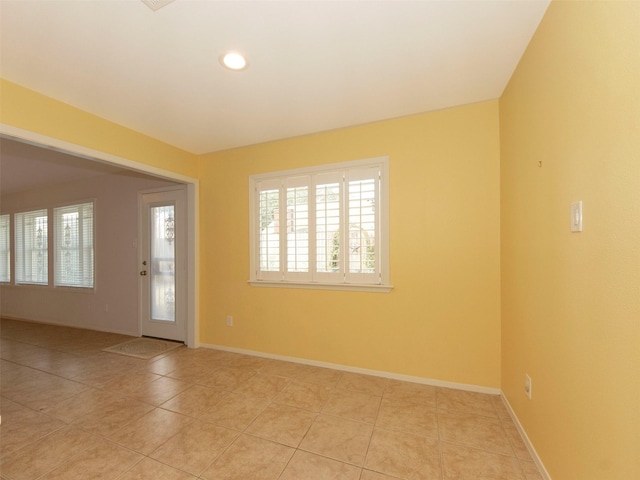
(71, 411)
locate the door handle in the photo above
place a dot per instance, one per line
(143, 273)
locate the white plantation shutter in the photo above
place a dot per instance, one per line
(321, 225)
(297, 252)
(328, 206)
(362, 218)
(31, 247)
(73, 243)
(5, 248)
(268, 195)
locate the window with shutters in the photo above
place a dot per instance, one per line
(32, 247)
(73, 246)
(5, 248)
(324, 227)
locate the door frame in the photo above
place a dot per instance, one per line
(192, 185)
(142, 226)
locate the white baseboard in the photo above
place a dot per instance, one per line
(364, 371)
(525, 439)
(55, 323)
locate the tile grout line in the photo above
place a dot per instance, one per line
(292, 378)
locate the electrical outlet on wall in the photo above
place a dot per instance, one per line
(229, 321)
(527, 385)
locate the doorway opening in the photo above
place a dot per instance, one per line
(189, 186)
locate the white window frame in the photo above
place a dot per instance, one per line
(85, 249)
(376, 278)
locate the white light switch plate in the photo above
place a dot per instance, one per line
(576, 217)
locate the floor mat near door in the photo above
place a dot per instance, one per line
(143, 347)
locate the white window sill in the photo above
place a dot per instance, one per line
(68, 288)
(324, 286)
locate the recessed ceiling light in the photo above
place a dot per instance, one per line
(233, 61)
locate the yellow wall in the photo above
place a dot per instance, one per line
(571, 301)
(28, 110)
(469, 203)
(442, 320)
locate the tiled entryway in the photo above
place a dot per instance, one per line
(71, 411)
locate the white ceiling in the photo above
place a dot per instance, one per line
(313, 65)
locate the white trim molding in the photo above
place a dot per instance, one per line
(355, 287)
(39, 140)
(532, 451)
(363, 371)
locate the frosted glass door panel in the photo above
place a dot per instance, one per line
(163, 253)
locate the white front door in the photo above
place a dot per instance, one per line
(163, 262)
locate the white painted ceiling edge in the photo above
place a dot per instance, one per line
(313, 65)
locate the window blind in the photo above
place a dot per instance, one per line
(73, 245)
(5, 248)
(31, 249)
